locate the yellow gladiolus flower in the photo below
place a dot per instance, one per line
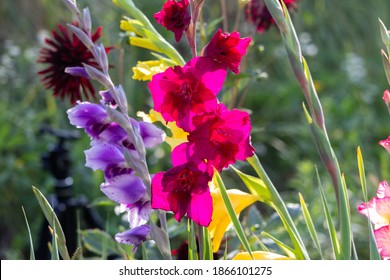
(260, 255)
(145, 70)
(132, 25)
(221, 221)
(178, 135)
(143, 43)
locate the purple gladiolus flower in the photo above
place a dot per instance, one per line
(134, 236)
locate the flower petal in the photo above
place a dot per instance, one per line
(102, 155)
(125, 189)
(134, 236)
(382, 238)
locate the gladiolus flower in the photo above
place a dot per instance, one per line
(178, 135)
(221, 221)
(145, 70)
(386, 97)
(378, 208)
(227, 49)
(134, 236)
(258, 14)
(175, 17)
(219, 139)
(183, 190)
(260, 255)
(385, 144)
(382, 239)
(179, 93)
(63, 51)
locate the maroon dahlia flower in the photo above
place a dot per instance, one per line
(257, 13)
(175, 17)
(61, 51)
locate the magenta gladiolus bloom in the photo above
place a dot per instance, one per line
(219, 139)
(179, 93)
(227, 49)
(184, 189)
(385, 144)
(175, 17)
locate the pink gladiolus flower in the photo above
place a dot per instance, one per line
(378, 208)
(386, 97)
(219, 139)
(227, 49)
(184, 190)
(385, 144)
(179, 93)
(175, 17)
(382, 238)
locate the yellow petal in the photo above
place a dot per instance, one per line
(143, 43)
(220, 220)
(260, 255)
(145, 70)
(132, 25)
(178, 135)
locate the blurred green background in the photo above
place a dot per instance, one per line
(340, 40)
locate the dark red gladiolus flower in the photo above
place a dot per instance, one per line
(227, 49)
(175, 17)
(61, 51)
(257, 13)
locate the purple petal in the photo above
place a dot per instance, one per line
(134, 236)
(112, 133)
(107, 98)
(77, 71)
(102, 155)
(139, 213)
(151, 134)
(86, 114)
(124, 189)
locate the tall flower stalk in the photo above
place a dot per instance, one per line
(118, 143)
(315, 117)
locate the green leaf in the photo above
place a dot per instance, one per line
(192, 248)
(386, 65)
(229, 207)
(329, 220)
(32, 255)
(78, 254)
(207, 247)
(54, 248)
(161, 238)
(286, 249)
(385, 35)
(100, 243)
(374, 254)
(310, 224)
(255, 186)
(53, 222)
(144, 253)
(281, 209)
